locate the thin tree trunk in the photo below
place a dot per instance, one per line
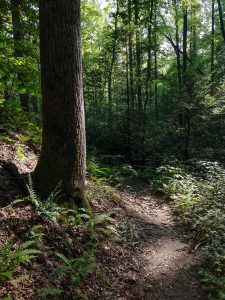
(155, 62)
(177, 44)
(221, 19)
(110, 117)
(185, 30)
(193, 38)
(185, 115)
(138, 57)
(212, 45)
(128, 129)
(130, 45)
(148, 72)
(62, 158)
(18, 35)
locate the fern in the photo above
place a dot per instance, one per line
(49, 291)
(32, 194)
(74, 269)
(47, 208)
(36, 235)
(10, 259)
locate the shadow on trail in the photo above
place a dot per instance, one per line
(164, 267)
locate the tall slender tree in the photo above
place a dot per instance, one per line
(212, 45)
(222, 26)
(18, 35)
(62, 158)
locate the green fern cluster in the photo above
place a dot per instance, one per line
(49, 291)
(47, 209)
(74, 270)
(11, 258)
(102, 224)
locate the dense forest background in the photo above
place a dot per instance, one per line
(154, 91)
(153, 75)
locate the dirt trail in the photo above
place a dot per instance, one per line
(163, 266)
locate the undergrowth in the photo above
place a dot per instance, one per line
(12, 256)
(17, 125)
(71, 268)
(196, 190)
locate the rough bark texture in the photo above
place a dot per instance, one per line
(221, 19)
(62, 158)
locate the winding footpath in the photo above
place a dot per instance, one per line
(163, 266)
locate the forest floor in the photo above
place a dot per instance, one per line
(164, 266)
(154, 264)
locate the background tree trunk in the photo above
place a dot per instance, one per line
(221, 19)
(18, 35)
(212, 45)
(138, 55)
(62, 158)
(110, 98)
(131, 73)
(155, 63)
(149, 47)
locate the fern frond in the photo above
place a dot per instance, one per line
(64, 258)
(101, 219)
(57, 273)
(49, 291)
(25, 245)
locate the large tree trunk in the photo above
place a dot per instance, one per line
(62, 158)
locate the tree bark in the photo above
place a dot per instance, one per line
(138, 56)
(62, 158)
(212, 45)
(177, 43)
(149, 46)
(155, 62)
(130, 46)
(110, 117)
(18, 35)
(185, 30)
(128, 129)
(221, 19)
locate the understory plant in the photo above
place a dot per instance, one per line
(196, 190)
(72, 270)
(47, 209)
(13, 256)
